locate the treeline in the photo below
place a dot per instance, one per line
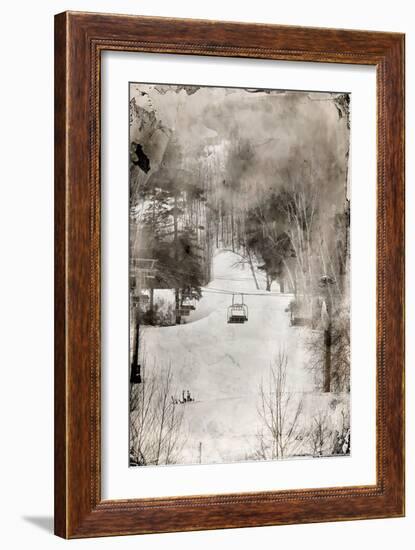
(183, 209)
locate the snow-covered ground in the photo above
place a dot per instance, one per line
(222, 364)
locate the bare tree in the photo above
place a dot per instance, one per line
(280, 434)
(320, 435)
(341, 443)
(329, 434)
(329, 345)
(156, 420)
(339, 350)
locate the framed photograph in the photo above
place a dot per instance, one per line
(229, 275)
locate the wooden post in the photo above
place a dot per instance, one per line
(177, 300)
(151, 304)
(134, 361)
(327, 358)
(327, 340)
(176, 255)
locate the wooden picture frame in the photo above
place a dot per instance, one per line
(79, 40)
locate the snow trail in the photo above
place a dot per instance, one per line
(222, 364)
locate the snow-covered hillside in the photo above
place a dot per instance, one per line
(222, 364)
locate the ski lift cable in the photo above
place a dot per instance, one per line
(219, 278)
(245, 292)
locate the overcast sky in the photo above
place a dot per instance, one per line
(289, 134)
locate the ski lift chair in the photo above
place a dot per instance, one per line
(238, 311)
(188, 305)
(188, 300)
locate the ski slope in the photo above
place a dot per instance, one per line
(222, 364)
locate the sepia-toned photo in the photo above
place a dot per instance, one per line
(239, 251)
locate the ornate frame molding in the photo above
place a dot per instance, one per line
(79, 40)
